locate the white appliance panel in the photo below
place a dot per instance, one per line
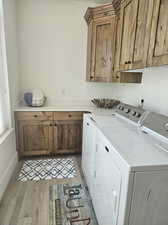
(107, 185)
(88, 151)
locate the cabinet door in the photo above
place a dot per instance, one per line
(35, 137)
(158, 50)
(102, 49)
(133, 34)
(88, 152)
(107, 186)
(150, 199)
(67, 136)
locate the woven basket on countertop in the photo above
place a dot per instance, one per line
(105, 103)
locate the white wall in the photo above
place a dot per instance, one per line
(8, 154)
(154, 89)
(52, 44)
(12, 49)
(52, 49)
(8, 160)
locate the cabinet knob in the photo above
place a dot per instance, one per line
(35, 116)
(129, 62)
(87, 124)
(69, 115)
(55, 125)
(50, 125)
(126, 62)
(91, 77)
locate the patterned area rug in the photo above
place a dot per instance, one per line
(45, 169)
(70, 204)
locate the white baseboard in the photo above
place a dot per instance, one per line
(6, 176)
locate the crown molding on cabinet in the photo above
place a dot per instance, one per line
(101, 51)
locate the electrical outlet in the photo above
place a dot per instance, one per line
(63, 92)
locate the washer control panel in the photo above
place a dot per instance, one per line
(131, 112)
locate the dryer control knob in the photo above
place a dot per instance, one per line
(138, 115)
(127, 110)
(133, 113)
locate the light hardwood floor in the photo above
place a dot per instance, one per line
(27, 203)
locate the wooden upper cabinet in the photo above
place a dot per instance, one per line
(133, 34)
(126, 35)
(101, 50)
(158, 48)
(101, 43)
(103, 47)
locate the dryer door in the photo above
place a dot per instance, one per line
(107, 186)
(88, 151)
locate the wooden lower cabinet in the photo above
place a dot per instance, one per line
(35, 138)
(60, 134)
(67, 136)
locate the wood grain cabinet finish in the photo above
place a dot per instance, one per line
(35, 137)
(45, 133)
(101, 43)
(133, 34)
(34, 116)
(101, 50)
(103, 47)
(158, 48)
(67, 136)
(68, 116)
(67, 132)
(126, 35)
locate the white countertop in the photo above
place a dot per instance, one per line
(139, 150)
(55, 108)
(65, 108)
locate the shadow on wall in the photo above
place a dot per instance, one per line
(153, 90)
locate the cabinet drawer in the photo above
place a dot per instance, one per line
(34, 116)
(68, 115)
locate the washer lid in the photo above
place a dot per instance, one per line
(157, 123)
